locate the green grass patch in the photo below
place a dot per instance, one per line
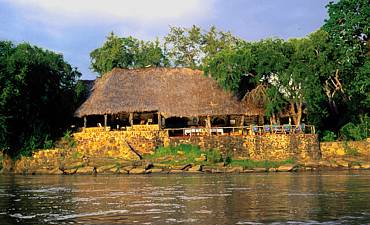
(249, 164)
(176, 155)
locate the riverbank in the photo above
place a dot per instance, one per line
(177, 162)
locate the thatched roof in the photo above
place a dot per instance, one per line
(170, 91)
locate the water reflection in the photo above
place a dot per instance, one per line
(312, 198)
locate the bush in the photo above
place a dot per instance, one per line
(68, 139)
(329, 136)
(214, 156)
(354, 132)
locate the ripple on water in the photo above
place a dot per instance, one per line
(79, 215)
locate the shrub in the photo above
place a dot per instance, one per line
(328, 136)
(356, 132)
(214, 156)
(68, 139)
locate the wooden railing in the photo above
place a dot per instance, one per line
(243, 130)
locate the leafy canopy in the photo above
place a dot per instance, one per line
(36, 96)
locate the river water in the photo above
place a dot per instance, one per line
(336, 197)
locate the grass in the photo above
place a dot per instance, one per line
(176, 155)
(260, 164)
(190, 154)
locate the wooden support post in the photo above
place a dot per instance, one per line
(105, 120)
(85, 121)
(208, 124)
(159, 121)
(242, 121)
(131, 119)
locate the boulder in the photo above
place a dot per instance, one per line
(324, 163)
(237, 169)
(342, 163)
(181, 167)
(149, 165)
(259, 169)
(220, 164)
(137, 171)
(175, 171)
(365, 166)
(126, 169)
(272, 170)
(106, 168)
(85, 170)
(155, 170)
(195, 168)
(248, 171)
(286, 168)
(357, 167)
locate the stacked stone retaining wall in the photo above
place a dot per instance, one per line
(258, 147)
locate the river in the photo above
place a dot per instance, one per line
(335, 197)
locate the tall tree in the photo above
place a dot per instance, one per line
(126, 52)
(348, 29)
(37, 89)
(193, 47)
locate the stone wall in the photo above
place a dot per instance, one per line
(342, 149)
(97, 141)
(258, 147)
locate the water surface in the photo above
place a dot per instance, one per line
(337, 197)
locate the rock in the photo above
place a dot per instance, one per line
(126, 168)
(137, 171)
(365, 166)
(286, 168)
(248, 171)
(357, 167)
(176, 171)
(220, 164)
(148, 166)
(342, 163)
(311, 164)
(105, 168)
(237, 169)
(272, 170)
(181, 167)
(259, 170)
(86, 170)
(195, 168)
(69, 171)
(218, 170)
(324, 163)
(154, 170)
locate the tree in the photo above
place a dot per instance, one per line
(126, 52)
(37, 89)
(183, 46)
(192, 47)
(348, 30)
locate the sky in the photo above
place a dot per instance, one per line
(74, 28)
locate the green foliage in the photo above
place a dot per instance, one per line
(250, 164)
(179, 155)
(69, 140)
(356, 132)
(328, 136)
(36, 96)
(214, 156)
(192, 47)
(126, 52)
